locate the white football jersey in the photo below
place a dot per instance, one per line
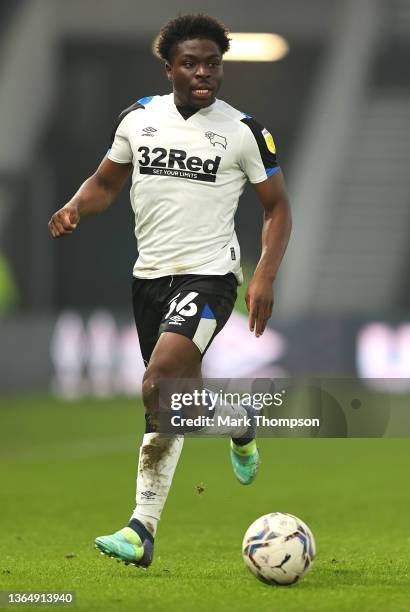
(187, 178)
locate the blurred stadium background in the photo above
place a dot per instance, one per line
(338, 105)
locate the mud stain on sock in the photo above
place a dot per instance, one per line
(150, 527)
(156, 451)
(156, 466)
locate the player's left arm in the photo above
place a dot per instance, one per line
(277, 224)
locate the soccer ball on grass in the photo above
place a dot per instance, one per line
(278, 548)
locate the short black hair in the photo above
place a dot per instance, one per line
(187, 27)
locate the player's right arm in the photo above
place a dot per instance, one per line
(95, 195)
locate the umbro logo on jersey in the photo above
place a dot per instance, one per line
(217, 139)
(148, 131)
(175, 162)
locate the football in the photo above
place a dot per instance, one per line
(278, 548)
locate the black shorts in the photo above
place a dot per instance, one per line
(196, 306)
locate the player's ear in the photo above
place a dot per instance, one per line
(168, 71)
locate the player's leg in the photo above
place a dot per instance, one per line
(126, 544)
(174, 356)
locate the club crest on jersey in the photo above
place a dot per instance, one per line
(175, 162)
(269, 140)
(216, 139)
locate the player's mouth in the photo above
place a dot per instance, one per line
(202, 93)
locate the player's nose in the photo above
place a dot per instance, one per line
(202, 70)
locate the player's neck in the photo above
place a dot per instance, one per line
(186, 110)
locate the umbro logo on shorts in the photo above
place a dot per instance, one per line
(176, 319)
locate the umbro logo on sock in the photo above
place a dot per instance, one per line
(148, 494)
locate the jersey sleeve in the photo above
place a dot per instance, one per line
(120, 150)
(258, 152)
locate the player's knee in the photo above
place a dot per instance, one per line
(150, 391)
(151, 382)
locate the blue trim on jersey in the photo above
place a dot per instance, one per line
(207, 313)
(246, 116)
(272, 171)
(145, 100)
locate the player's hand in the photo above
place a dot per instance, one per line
(64, 221)
(259, 301)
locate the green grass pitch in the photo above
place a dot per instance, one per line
(67, 473)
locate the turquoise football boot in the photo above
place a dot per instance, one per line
(126, 545)
(245, 461)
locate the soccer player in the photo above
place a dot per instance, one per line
(190, 155)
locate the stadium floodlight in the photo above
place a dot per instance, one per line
(256, 47)
(251, 47)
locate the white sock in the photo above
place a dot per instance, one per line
(158, 459)
(235, 412)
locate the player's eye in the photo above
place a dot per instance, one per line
(188, 64)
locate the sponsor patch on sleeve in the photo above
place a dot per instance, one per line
(269, 140)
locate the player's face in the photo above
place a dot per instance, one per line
(195, 72)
